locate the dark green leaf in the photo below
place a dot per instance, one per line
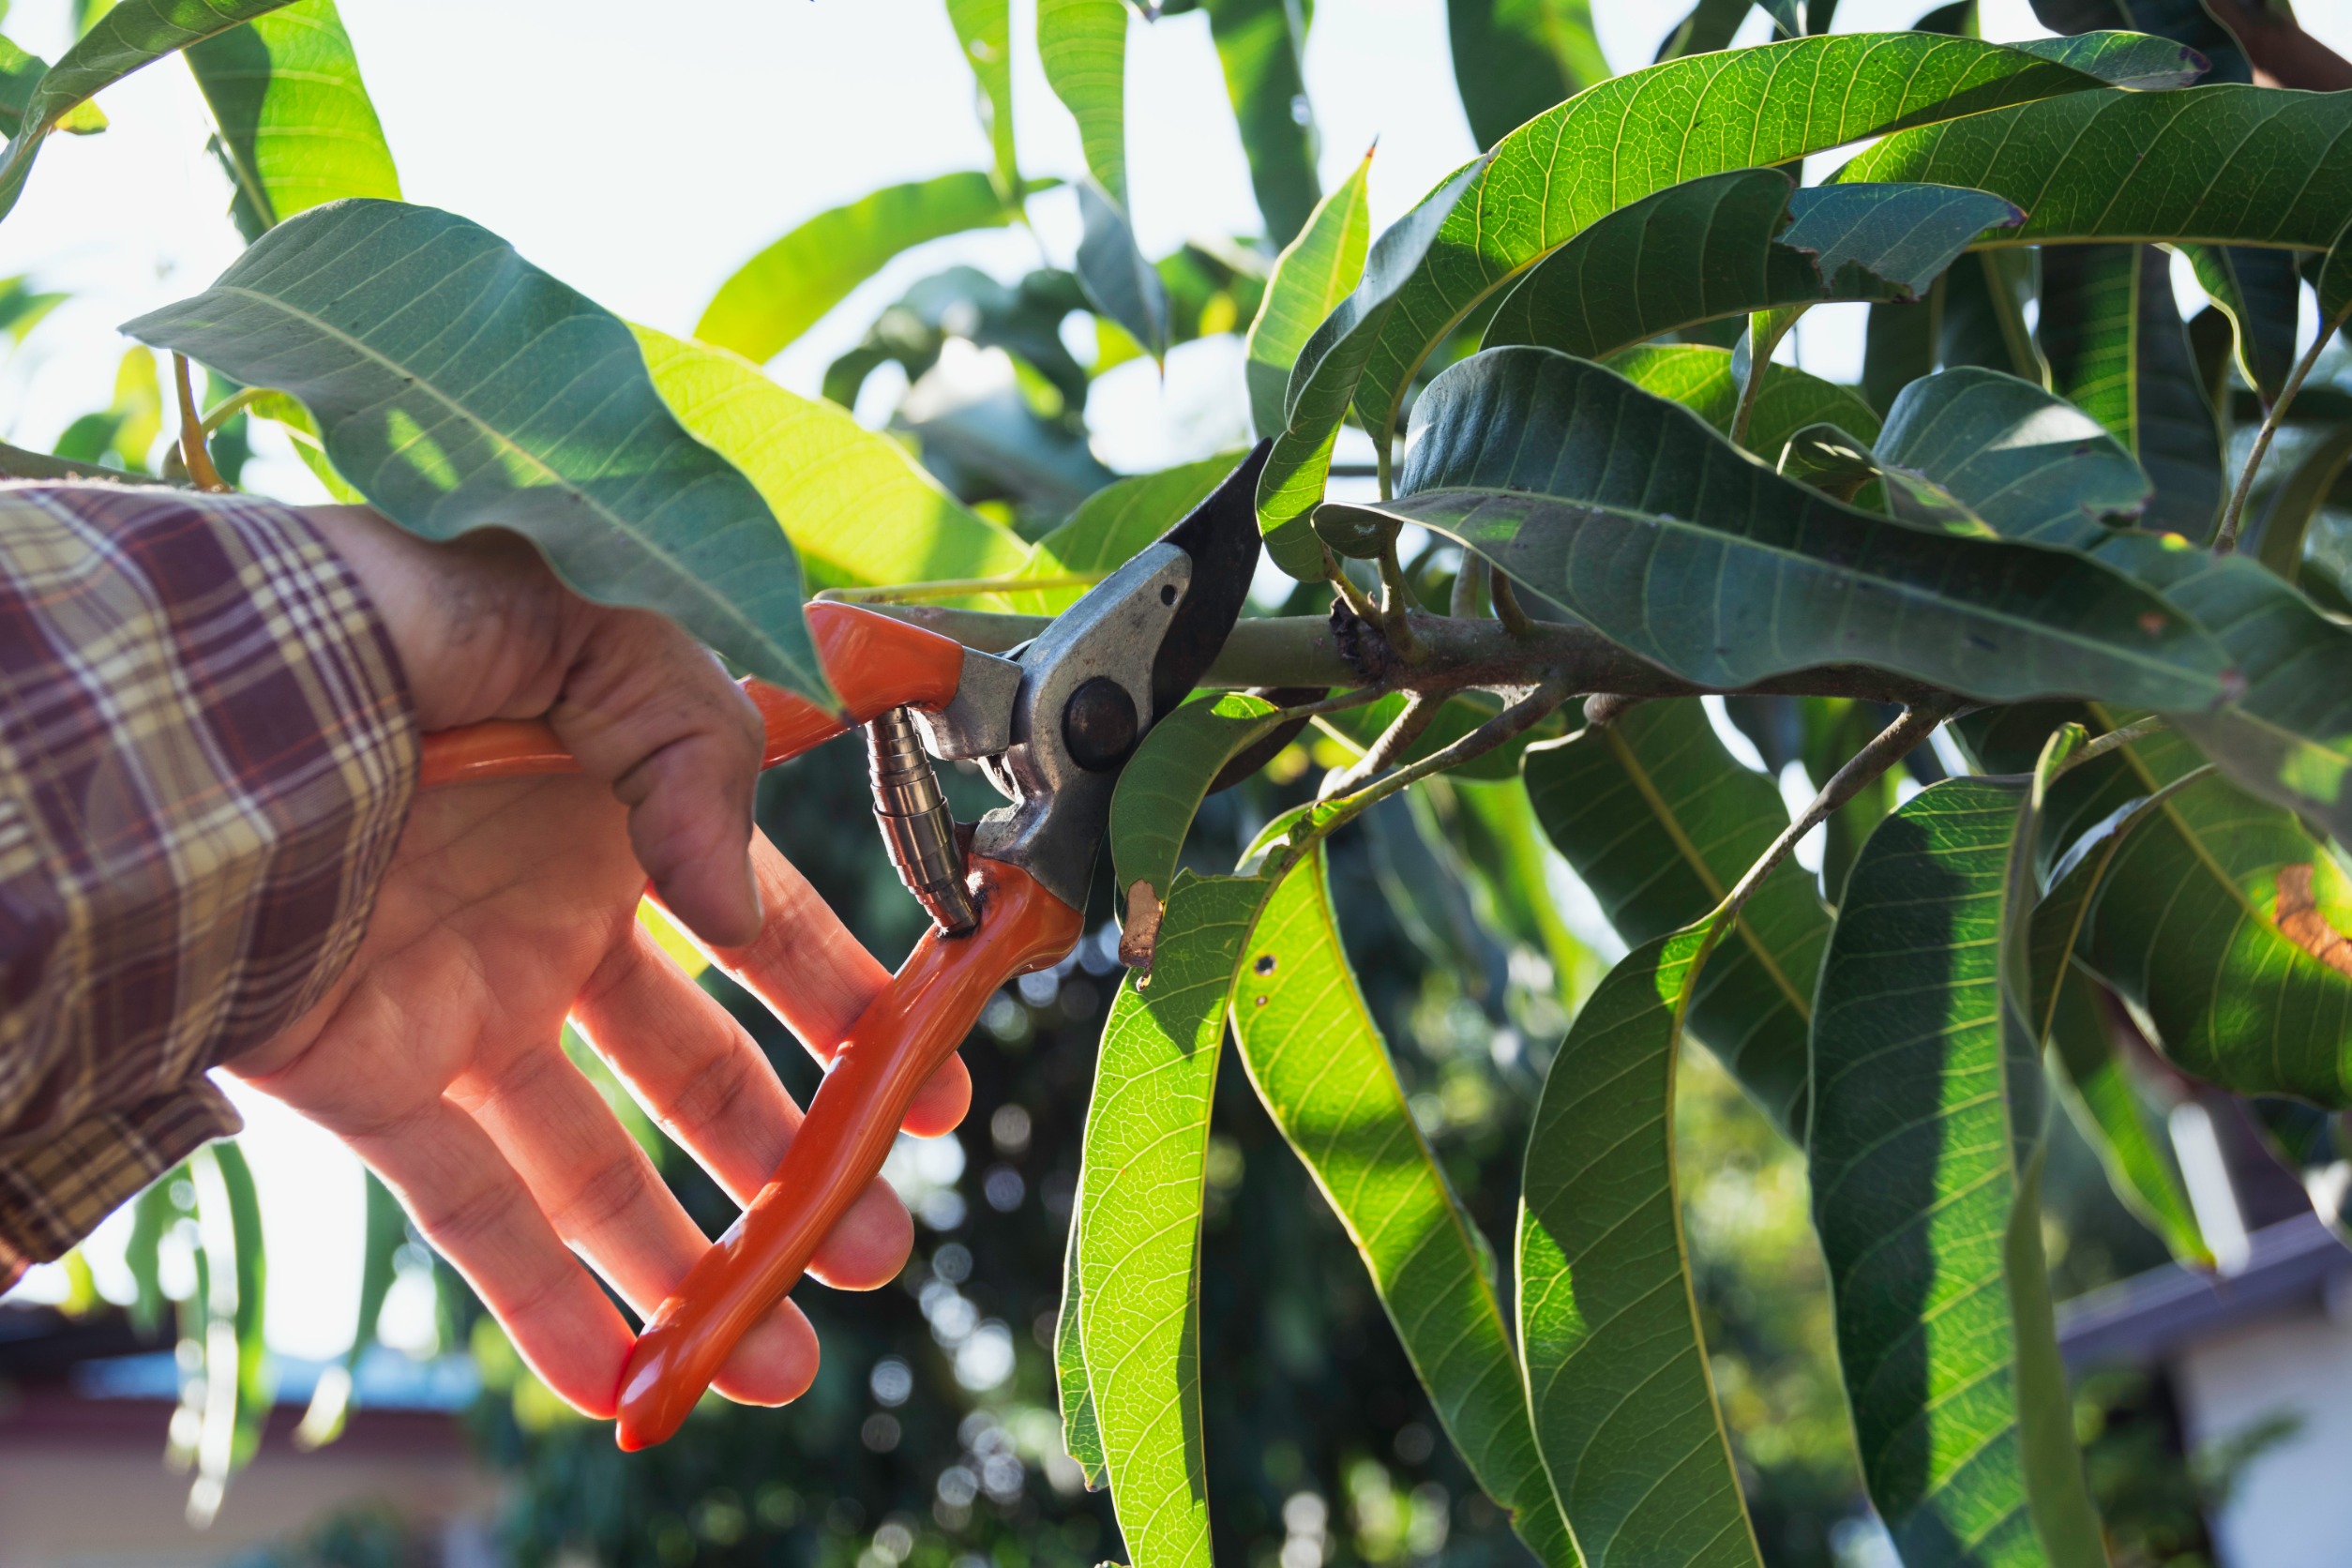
(1324, 378)
(1630, 514)
(780, 292)
(1617, 1370)
(2287, 519)
(1709, 27)
(461, 387)
(1164, 783)
(1512, 59)
(1700, 379)
(1983, 313)
(1926, 1158)
(1734, 244)
(2258, 291)
(1118, 281)
(1617, 142)
(1314, 273)
(19, 73)
(1319, 1066)
(296, 128)
(2030, 465)
(1659, 822)
(130, 36)
(1083, 47)
(984, 30)
(1262, 44)
(2117, 349)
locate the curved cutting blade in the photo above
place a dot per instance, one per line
(1221, 536)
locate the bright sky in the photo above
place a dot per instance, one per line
(642, 152)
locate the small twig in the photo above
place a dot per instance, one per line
(1419, 710)
(2114, 740)
(1603, 708)
(1465, 602)
(2226, 540)
(1396, 602)
(1523, 715)
(1507, 609)
(232, 405)
(1887, 748)
(200, 471)
(1349, 595)
(1355, 697)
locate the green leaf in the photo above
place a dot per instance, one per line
(1323, 381)
(984, 30)
(2257, 290)
(2117, 349)
(296, 128)
(1461, 713)
(461, 387)
(1502, 859)
(780, 292)
(1081, 1429)
(1145, 1158)
(1118, 281)
(1314, 273)
(1734, 244)
(1700, 378)
(2101, 1100)
(132, 34)
(19, 73)
(1926, 1160)
(1083, 47)
(1630, 514)
(2030, 465)
(1617, 142)
(1319, 1066)
(1512, 59)
(1709, 26)
(1617, 1370)
(154, 1212)
(2271, 167)
(2296, 501)
(1262, 45)
(1111, 525)
(858, 509)
(1162, 784)
(1660, 822)
(302, 432)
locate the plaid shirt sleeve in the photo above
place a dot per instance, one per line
(207, 752)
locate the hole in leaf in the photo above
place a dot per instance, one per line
(1265, 964)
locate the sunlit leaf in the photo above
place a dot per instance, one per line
(297, 128)
(19, 73)
(1323, 1072)
(1114, 523)
(984, 30)
(1162, 784)
(1081, 1430)
(1314, 273)
(2030, 465)
(1083, 47)
(461, 387)
(779, 294)
(1700, 379)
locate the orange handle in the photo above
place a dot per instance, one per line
(874, 662)
(900, 1039)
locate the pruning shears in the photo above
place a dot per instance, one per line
(1051, 724)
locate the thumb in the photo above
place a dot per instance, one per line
(649, 710)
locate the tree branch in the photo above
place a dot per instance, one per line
(2283, 55)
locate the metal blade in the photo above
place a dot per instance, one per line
(1221, 536)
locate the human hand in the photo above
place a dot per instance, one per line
(437, 1056)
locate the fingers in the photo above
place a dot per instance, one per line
(807, 969)
(646, 708)
(600, 1193)
(710, 1088)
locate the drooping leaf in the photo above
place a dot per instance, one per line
(130, 36)
(1081, 1430)
(2117, 349)
(1512, 59)
(154, 1212)
(1114, 523)
(2105, 1107)
(1024, 319)
(1314, 273)
(2258, 291)
(1083, 47)
(1617, 1372)
(1145, 1156)
(1700, 378)
(2287, 736)
(2274, 168)
(1926, 1158)
(296, 128)
(1630, 514)
(384, 1233)
(779, 294)
(1323, 380)
(984, 30)
(458, 387)
(1659, 822)
(2031, 466)
(1617, 142)
(1262, 47)
(1732, 245)
(2287, 518)
(1118, 282)
(1321, 1069)
(1164, 783)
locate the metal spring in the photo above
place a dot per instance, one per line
(916, 824)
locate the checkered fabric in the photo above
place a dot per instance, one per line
(207, 752)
